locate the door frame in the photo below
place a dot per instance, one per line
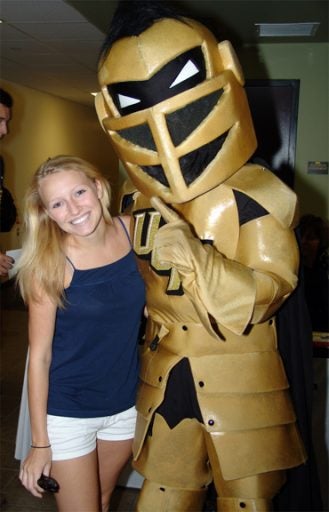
(274, 108)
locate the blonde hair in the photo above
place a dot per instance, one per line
(42, 264)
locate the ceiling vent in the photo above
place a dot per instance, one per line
(287, 29)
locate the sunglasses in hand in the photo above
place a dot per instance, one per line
(48, 484)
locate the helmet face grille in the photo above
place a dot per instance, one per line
(181, 124)
(193, 164)
(140, 135)
(156, 172)
(184, 121)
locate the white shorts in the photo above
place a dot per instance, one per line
(74, 437)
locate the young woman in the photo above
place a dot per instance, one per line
(78, 275)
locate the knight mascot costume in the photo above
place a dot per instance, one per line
(214, 237)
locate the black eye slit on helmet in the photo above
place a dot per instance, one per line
(182, 73)
(181, 123)
(192, 165)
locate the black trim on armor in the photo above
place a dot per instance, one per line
(127, 200)
(180, 400)
(248, 208)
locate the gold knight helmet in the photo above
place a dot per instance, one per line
(173, 103)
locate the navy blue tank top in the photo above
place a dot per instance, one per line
(94, 368)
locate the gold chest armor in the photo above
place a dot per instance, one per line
(233, 356)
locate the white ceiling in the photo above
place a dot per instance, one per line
(51, 46)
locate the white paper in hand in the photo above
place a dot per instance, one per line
(15, 253)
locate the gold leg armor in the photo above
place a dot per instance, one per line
(178, 459)
(154, 496)
(175, 457)
(250, 494)
(243, 505)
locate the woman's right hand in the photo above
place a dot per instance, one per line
(37, 462)
(6, 263)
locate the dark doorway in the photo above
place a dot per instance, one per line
(274, 107)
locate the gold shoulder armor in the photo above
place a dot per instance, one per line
(269, 191)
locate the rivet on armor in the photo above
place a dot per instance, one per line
(201, 384)
(185, 328)
(211, 422)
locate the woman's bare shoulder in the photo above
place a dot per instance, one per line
(126, 219)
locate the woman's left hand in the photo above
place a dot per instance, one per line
(37, 462)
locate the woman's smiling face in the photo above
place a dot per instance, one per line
(71, 200)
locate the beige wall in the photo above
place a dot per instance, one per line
(42, 126)
(307, 62)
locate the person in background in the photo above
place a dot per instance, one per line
(78, 275)
(314, 247)
(6, 103)
(8, 209)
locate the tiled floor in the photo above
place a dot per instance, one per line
(13, 346)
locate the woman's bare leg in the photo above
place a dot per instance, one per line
(112, 456)
(79, 484)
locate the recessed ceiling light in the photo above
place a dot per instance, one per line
(287, 29)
